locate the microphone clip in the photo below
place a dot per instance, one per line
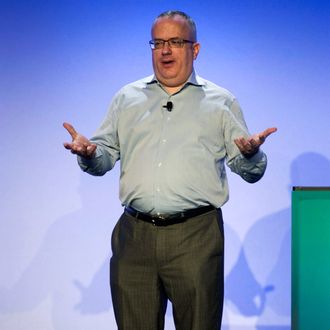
(168, 106)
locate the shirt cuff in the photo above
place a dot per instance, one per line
(87, 163)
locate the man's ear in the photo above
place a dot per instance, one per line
(196, 48)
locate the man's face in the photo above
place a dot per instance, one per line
(173, 66)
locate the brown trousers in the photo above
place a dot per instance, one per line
(182, 262)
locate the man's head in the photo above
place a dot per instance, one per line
(173, 61)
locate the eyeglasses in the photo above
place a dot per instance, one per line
(173, 43)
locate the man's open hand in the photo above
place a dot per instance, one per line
(80, 145)
(250, 146)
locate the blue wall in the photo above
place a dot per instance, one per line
(63, 61)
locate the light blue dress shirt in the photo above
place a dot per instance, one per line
(172, 161)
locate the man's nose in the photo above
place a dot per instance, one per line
(166, 48)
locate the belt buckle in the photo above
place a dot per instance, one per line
(156, 218)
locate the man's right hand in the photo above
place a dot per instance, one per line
(80, 145)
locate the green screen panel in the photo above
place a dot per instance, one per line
(311, 259)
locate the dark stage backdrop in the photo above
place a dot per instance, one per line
(63, 61)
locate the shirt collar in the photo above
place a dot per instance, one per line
(193, 79)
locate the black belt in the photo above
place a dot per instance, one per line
(171, 219)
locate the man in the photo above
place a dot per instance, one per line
(172, 133)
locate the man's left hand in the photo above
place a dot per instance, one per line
(250, 146)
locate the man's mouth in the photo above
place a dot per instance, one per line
(167, 62)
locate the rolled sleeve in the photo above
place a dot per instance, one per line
(250, 169)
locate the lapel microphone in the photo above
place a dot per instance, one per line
(168, 106)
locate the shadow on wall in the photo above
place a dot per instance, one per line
(67, 259)
(260, 282)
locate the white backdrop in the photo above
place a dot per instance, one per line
(63, 61)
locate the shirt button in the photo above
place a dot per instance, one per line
(164, 140)
(160, 164)
(158, 189)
